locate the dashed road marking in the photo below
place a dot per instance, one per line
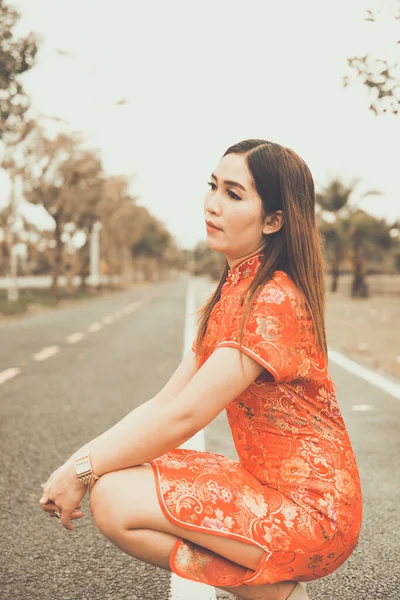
(75, 337)
(107, 320)
(46, 353)
(9, 374)
(129, 308)
(134, 306)
(362, 407)
(50, 351)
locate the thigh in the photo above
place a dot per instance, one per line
(127, 499)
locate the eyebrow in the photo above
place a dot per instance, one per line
(229, 182)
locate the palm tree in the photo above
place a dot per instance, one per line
(369, 236)
(334, 199)
(337, 229)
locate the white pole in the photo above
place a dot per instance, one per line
(95, 254)
(12, 290)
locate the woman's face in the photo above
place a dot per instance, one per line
(235, 209)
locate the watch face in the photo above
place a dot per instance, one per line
(82, 466)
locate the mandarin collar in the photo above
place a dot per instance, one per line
(245, 269)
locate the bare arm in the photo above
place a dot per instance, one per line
(177, 382)
(169, 423)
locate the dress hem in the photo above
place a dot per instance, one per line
(184, 525)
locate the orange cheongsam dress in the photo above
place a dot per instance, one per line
(295, 490)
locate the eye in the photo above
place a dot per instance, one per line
(231, 194)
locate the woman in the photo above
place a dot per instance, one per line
(290, 510)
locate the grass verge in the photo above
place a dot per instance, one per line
(34, 300)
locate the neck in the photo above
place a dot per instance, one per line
(233, 261)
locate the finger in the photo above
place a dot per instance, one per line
(49, 507)
(44, 499)
(66, 519)
(77, 514)
(45, 492)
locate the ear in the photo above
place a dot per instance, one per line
(273, 222)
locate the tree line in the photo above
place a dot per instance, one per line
(68, 179)
(61, 174)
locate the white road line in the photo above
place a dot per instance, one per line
(362, 407)
(129, 308)
(135, 305)
(182, 589)
(46, 353)
(132, 307)
(379, 381)
(75, 337)
(95, 327)
(107, 320)
(9, 374)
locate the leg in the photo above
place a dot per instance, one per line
(125, 507)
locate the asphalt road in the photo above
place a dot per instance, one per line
(131, 344)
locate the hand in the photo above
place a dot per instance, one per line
(63, 492)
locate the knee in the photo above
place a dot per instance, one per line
(104, 505)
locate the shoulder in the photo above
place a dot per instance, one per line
(281, 294)
(277, 294)
(272, 307)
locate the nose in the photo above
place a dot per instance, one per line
(212, 205)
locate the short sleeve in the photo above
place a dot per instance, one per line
(271, 333)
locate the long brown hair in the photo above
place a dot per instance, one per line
(284, 182)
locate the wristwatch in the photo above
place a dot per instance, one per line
(83, 470)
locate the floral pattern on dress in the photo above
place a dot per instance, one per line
(295, 490)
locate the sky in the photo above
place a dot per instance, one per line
(200, 76)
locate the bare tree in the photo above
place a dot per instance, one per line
(11, 163)
(16, 57)
(63, 177)
(122, 223)
(380, 75)
(5, 218)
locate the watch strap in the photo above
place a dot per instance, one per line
(83, 470)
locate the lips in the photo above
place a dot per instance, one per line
(211, 224)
